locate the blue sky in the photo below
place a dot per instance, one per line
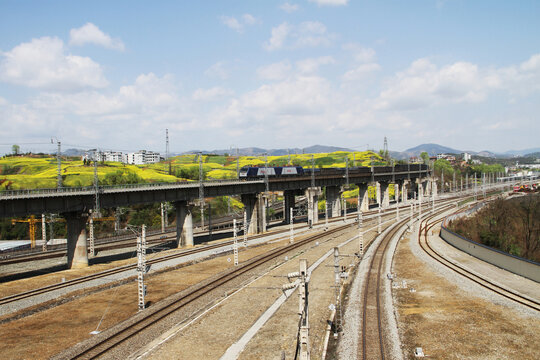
(271, 74)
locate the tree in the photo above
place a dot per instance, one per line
(425, 157)
(15, 149)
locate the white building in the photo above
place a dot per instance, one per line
(137, 158)
(466, 156)
(143, 157)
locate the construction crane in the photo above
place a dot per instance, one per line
(32, 231)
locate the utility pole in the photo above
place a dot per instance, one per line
(141, 266)
(337, 281)
(96, 185)
(291, 227)
(166, 144)
(288, 157)
(326, 214)
(347, 171)
(266, 185)
(237, 164)
(162, 219)
(344, 207)
(303, 310)
(312, 171)
(246, 226)
(92, 239)
(379, 222)
(360, 235)
(43, 232)
(59, 164)
(235, 243)
(201, 190)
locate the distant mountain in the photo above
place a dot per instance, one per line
(255, 151)
(522, 152)
(431, 149)
(73, 152)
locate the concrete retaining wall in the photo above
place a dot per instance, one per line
(515, 264)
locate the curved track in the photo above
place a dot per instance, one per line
(423, 241)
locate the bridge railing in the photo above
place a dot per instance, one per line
(6, 194)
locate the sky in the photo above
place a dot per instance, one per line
(272, 74)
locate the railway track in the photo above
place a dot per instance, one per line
(372, 329)
(423, 241)
(117, 270)
(373, 344)
(144, 321)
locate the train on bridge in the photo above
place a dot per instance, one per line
(289, 171)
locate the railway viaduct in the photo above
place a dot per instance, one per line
(75, 203)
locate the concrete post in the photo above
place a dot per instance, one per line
(77, 254)
(333, 194)
(252, 215)
(288, 199)
(363, 197)
(261, 210)
(184, 224)
(384, 194)
(396, 192)
(312, 195)
(378, 193)
(420, 190)
(404, 192)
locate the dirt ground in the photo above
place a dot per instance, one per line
(41, 335)
(449, 323)
(210, 336)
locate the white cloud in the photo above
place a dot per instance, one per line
(211, 94)
(297, 96)
(232, 23)
(217, 70)
(43, 63)
(289, 8)
(279, 35)
(361, 54)
(311, 65)
(361, 72)
(236, 24)
(423, 84)
(249, 19)
(275, 71)
(330, 2)
(91, 34)
(305, 34)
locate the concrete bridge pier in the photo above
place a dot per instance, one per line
(363, 197)
(378, 193)
(404, 192)
(396, 192)
(77, 252)
(420, 190)
(433, 188)
(255, 212)
(184, 224)
(262, 201)
(333, 199)
(288, 203)
(384, 194)
(427, 187)
(312, 195)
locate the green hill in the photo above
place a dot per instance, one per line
(32, 171)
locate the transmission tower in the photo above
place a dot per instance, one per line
(166, 144)
(385, 148)
(201, 189)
